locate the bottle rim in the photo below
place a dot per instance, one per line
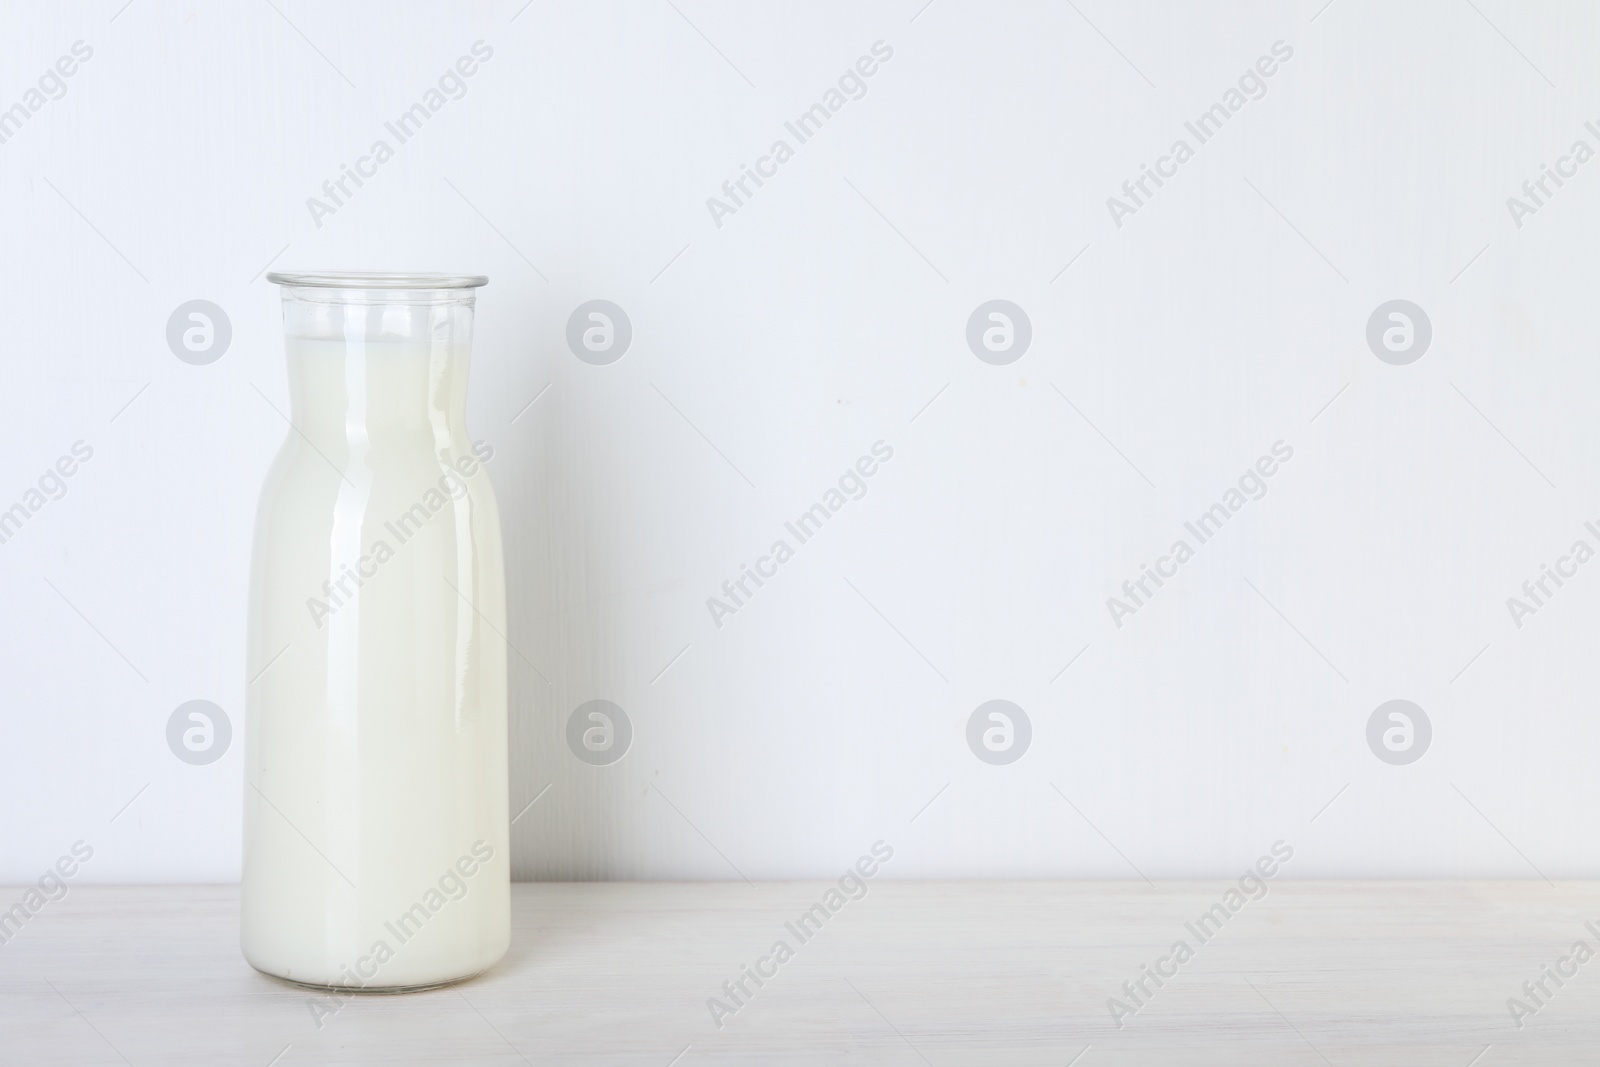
(375, 280)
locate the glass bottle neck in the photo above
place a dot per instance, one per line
(378, 391)
(370, 368)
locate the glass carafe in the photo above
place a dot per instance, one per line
(376, 852)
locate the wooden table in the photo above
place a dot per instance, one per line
(1392, 973)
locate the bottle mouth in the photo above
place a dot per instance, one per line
(376, 280)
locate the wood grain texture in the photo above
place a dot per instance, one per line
(1339, 973)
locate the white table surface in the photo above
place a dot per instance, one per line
(1394, 973)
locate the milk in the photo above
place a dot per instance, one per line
(376, 846)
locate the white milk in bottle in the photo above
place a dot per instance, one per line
(376, 850)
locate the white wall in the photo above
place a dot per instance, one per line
(770, 351)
